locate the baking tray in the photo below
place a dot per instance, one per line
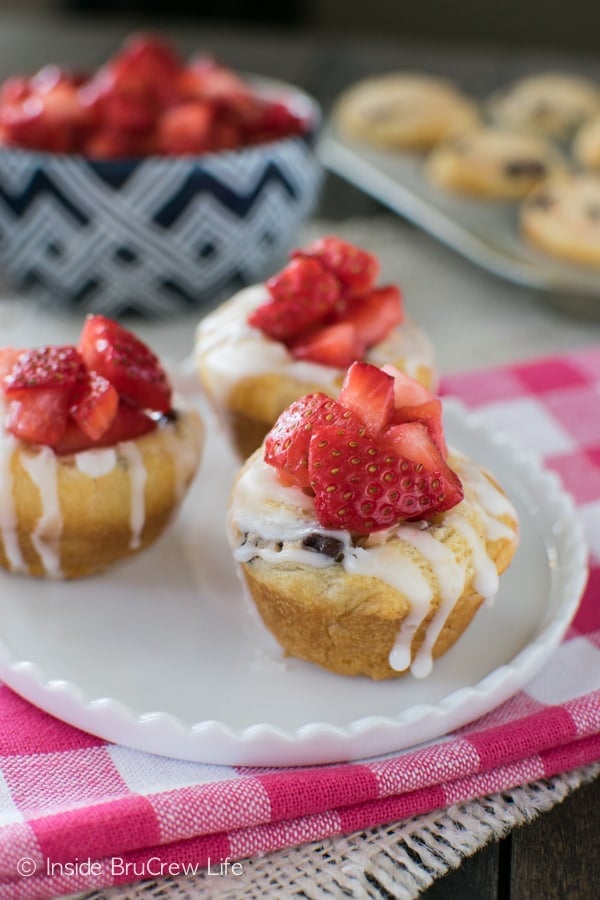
(483, 231)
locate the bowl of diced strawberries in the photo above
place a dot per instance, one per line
(153, 184)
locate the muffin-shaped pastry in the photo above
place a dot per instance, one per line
(493, 164)
(94, 457)
(272, 343)
(366, 546)
(562, 217)
(551, 103)
(404, 111)
(586, 146)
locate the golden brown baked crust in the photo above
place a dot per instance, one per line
(560, 218)
(403, 111)
(96, 526)
(256, 402)
(348, 623)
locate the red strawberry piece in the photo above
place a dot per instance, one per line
(361, 485)
(333, 345)
(39, 388)
(303, 294)
(185, 128)
(430, 415)
(8, 357)
(356, 269)
(374, 315)
(206, 78)
(94, 405)
(413, 441)
(369, 393)
(407, 391)
(14, 89)
(286, 445)
(119, 356)
(128, 424)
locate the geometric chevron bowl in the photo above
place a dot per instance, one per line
(157, 235)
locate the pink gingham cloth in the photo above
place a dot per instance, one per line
(66, 795)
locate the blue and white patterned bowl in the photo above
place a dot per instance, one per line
(158, 235)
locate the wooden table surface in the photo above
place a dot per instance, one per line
(555, 857)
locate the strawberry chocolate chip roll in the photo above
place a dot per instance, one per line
(272, 343)
(366, 545)
(94, 457)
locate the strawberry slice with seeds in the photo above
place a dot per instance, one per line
(8, 357)
(362, 485)
(94, 405)
(332, 345)
(119, 356)
(286, 445)
(356, 269)
(430, 415)
(413, 441)
(374, 315)
(128, 424)
(303, 294)
(39, 388)
(369, 393)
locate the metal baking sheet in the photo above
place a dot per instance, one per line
(484, 231)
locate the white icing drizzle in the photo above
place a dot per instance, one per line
(96, 463)
(401, 573)
(42, 468)
(450, 578)
(137, 486)
(228, 349)
(264, 508)
(485, 580)
(8, 517)
(184, 457)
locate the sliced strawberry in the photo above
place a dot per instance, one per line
(413, 441)
(38, 416)
(8, 357)
(355, 268)
(333, 345)
(94, 405)
(369, 393)
(186, 128)
(56, 368)
(39, 388)
(407, 391)
(303, 294)
(361, 485)
(128, 424)
(374, 315)
(430, 415)
(119, 356)
(286, 445)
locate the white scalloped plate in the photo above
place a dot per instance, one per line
(162, 653)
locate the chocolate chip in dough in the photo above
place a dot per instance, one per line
(324, 543)
(525, 168)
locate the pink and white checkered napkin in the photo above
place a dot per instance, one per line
(118, 815)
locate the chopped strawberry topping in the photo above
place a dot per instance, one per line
(94, 405)
(369, 394)
(56, 396)
(302, 295)
(367, 470)
(286, 445)
(355, 268)
(144, 100)
(110, 350)
(333, 345)
(323, 305)
(374, 315)
(128, 424)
